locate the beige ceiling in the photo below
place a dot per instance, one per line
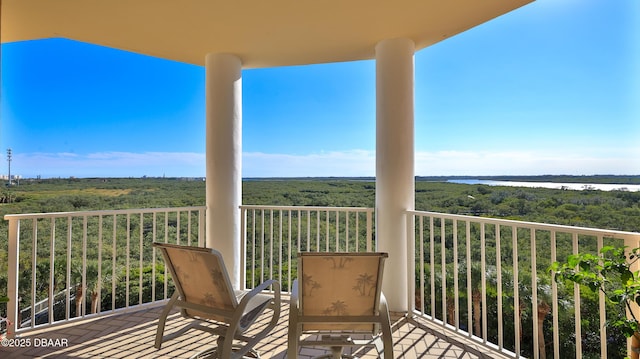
(263, 33)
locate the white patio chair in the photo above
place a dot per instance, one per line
(204, 292)
(337, 298)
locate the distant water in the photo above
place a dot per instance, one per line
(554, 185)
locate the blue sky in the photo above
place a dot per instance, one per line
(551, 88)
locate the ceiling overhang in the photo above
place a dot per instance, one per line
(263, 33)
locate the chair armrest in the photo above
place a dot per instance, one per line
(263, 286)
(384, 307)
(257, 290)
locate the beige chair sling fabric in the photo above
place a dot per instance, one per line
(204, 292)
(338, 294)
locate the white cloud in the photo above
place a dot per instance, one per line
(109, 164)
(362, 163)
(522, 163)
(325, 164)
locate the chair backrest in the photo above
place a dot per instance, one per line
(200, 277)
(340, 287)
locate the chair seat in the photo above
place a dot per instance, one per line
(255, 307)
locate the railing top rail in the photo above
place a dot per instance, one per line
(534, 225)
(100, 212)
(312, 208)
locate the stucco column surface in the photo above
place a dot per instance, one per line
(224, 158)
(395, 186)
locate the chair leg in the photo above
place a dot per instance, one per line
(292, 347)
(387, 339)
(225, 346)
(388, 343)
(163, 319)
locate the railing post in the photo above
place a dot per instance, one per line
(12, 305)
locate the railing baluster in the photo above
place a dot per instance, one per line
(69, 284)
(243, 248)
(83, 309)
(469, 283)
(99, 279)
(299, 230)
(281, 246)
(603, 312)
(34, 269)
(483, 279)
(534, 294)
(166, 240)
(554, 296)
(12, 277)
(253, 250)
(52, 266)
(422, 278)
(289, 258)
(634, 310)
(189, 227)
(456, 285)
(114, 259)
(127, 260)
(178, 227)
(309, 230)
(262, 246)
(516, 291)
(271, 240)
(153, 258)
(140, 258)
(576, 303)
(499, 284)
(318, 232)
(369, 232)
(443, 271)
(432, 262)
(346, 230)
(201, 227)
(337, 230)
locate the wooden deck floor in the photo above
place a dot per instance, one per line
(131, 335)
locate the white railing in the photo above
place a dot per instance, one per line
(488, 279)
(102, 261)
(273, 235)
(481, 278)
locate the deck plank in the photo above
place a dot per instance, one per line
(131, 335)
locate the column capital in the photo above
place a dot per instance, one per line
(395, 44)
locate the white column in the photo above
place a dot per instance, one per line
(395, 186)
(224, 158)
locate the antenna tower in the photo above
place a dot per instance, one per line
(9, 161)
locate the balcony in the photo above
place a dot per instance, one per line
(479, 287)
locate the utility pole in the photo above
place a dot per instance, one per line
(9, 161)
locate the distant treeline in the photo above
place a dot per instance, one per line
(612, 179)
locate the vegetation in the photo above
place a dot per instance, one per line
(609, 272)
(618, 210)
